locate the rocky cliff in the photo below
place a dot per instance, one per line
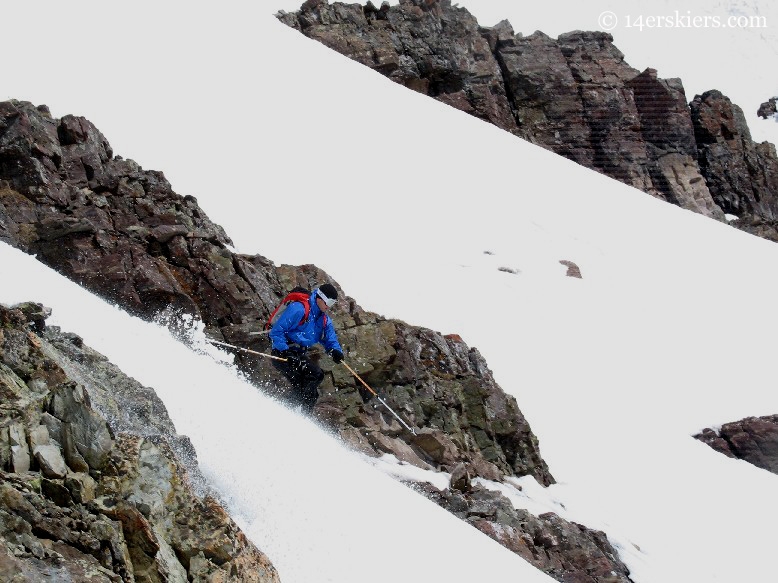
(574, 95)
(753, 439)
(123, 233)
(85, 499)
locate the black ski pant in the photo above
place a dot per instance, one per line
(305, 378)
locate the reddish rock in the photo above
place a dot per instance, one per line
(574, 95)
(753, 439)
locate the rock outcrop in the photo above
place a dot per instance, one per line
(85, 499)
(768, 108)
(753, 439)
(122, 232)
(566, 551)
(574, 95)
(742, 176)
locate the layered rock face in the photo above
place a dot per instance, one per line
(82, 499)
(574, 95)
(754, 439)
(743, 176)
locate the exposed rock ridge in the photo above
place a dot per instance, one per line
(567, 551)
(743, 176)
(753, 439)
(121, 232)
(80, 501)
(574, 95)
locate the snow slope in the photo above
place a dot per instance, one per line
(667, 332)
(319, 511)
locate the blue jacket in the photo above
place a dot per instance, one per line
(288, 329)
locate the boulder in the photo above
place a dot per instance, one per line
(767, 109)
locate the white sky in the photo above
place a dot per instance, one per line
(398, 197)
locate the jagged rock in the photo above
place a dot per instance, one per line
(742, 176)
(615, 144)
(429, 47)
(461, 478)
(68, 163)
(574, 95)
(437, 446)
(83, 426)
(127, 407)
(667, 130)
(753, 439)
(123, 233)
(82, 487)
(50, 460)
(47, 455)
(397, 447)
(548, 110)
(19, 456)
(768, 108)
(572, 269)
(127, 511)
(566, 551)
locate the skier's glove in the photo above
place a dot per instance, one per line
(337, 356)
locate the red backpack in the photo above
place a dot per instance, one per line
(298, 294)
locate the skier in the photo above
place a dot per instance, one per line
(303, 323)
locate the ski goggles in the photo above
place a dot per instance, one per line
(330, 302)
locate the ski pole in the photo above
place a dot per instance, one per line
(266, 355)
(377, 396)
